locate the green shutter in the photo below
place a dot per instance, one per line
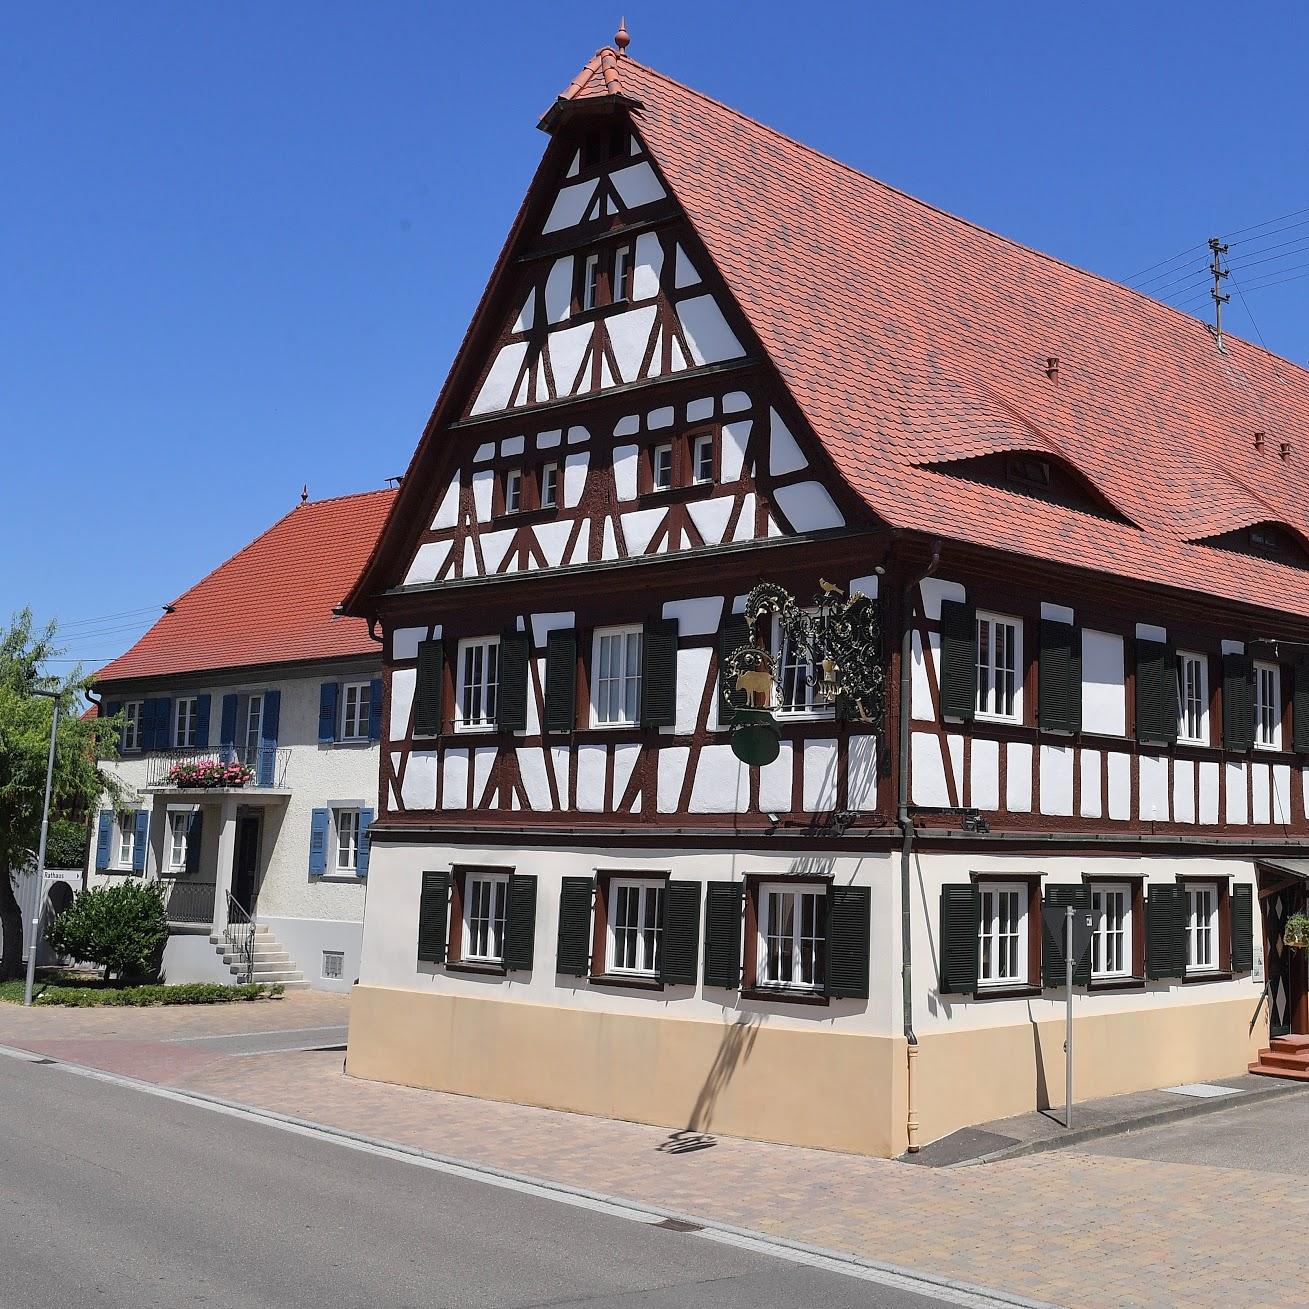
(1059, 683)
(520, 924)
(573, 948)
(849, 924)
(723, 903)
(659, 673)
(1052, 943)
(680, 949)
(1156, 692)
(1300, 706)
(432, 904)
(511, 693)
(1238, 703)
(961, 914)
(561, 681)
(429, 692)
(958, 660)
(1242, 928)
(732, 635)
(1165, 932)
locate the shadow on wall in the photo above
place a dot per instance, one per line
(1038, 1060)
(733, 1050)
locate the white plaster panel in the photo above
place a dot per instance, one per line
(494, 545)
(1209, 791)
(1151, 632)
(625, 466)
(454, 780)
(1152, 772)
(784, 453)
(575, 466)
(711, 517)
(499, 383)
(775, 783)
(591, 762)
(629, 333)
(649, 265)
(403, 681)
(744, 529)
(636, 185)
(628, 425)
(928, 770)
(706, 331)
(1261, 808)
(392, 804)
(483, 759)
(984, 775)
(483, 485)
(868, 586)
(700, 616)
(1092, 799)
(861, 772)
(920, 690)
(567, 345)
(1236, 793)
(692, 673)
(483, 454)
(1120, 785)
(954, 744)
(1018, 777)
(1104, 695)
(808, 506)
(819, 776)
(418, 790)
(717, 775)
(427, 562)
(672, 769)
(512, 445)
(553, 540)
(1056, 613)
(527, 314)
(731, 455)
(625, 757)
(735, 402)
(1233, 647)
(661, 417)
(697, 410)
(1057, 779)
(684, 273)
(548, 440)
(560, 757)
(470, 557)
(569, 206)
(447, 512)
(544, 624)
(405, 642)
(1281, 793)
(936, 589)
(639, 526)
(1183, 790)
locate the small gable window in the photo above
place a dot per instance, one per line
(591, 282)
(661, 467)
(702, 458)
(513, 490)
(549, 486)
(622, 289)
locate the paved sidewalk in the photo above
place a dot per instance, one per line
(1067, 1228)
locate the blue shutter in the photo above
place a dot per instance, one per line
(270, 722)
(157, 724)
(142, 840)
(318, 826)
(327, 694)
(375, 709)
(194, 829)
(227, 725)
(103, 838)
(202, 721)
(361, 862)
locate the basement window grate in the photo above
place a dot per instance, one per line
(333, 965)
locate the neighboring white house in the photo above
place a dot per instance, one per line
(251, 672)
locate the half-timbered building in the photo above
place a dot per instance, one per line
(710, 356)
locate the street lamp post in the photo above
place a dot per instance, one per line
(35, 941)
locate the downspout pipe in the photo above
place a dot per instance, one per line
(907, 843)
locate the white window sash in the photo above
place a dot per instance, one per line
(356, 705)
(347, 840)
(797, 962)
(1192, 699)
(1111, 939)
(485, 917)
(1267, 707)
(797, 695)
(1003, 935)
(636, 929)
(478, 677)
(1202, 942)
(999, 661)
(616, 677)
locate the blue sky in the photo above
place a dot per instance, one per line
(241, 242)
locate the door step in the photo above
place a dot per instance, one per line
(1286, 1057)
(269, 962)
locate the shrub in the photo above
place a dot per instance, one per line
(122, 928)
(66, 844)
(143, 996)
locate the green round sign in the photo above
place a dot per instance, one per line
(756, 740)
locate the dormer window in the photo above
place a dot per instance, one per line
(591, 283)
(1264, 540)
(1032, 474)
(622, 274)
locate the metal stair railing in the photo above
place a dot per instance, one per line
(240, 936)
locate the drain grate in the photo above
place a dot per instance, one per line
(677, 1225)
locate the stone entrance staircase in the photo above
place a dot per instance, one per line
(1287, 1056)
(271, 962)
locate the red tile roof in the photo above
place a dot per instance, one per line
(271, 602)
(909, 336)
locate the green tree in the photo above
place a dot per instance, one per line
(25, 653)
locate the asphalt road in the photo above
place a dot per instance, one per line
(113, 1197)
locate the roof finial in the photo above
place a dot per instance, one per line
(621, 38)
(304, 494)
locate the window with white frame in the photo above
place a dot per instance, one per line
(661, 467)
(622, 274)
(797, 679)
(636, 926)
(616, 677)
(792, 940)
(347, 840)
(1002, 935)
(179, 826)
(478, 681)
(999, 658)
(486, 910)
(702, 458)
(1267, 707)
(132, 725)
(1201, 927)
(549, 486)
(591, 282)
(185, 722)
(1192, 698)
(356, 705)
(254, 723)
(1111, 939)
(126, 839)
(513, 485)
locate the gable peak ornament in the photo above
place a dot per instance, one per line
(622, 38)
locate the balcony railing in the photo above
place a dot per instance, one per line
(186, 901)
(268, 763)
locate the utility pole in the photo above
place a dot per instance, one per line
(34, 942)
(1219, 272)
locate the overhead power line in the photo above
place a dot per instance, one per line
(1241, 231)
(1190, 249)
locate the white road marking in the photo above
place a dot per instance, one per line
(236, 1036)
(942, 1289)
